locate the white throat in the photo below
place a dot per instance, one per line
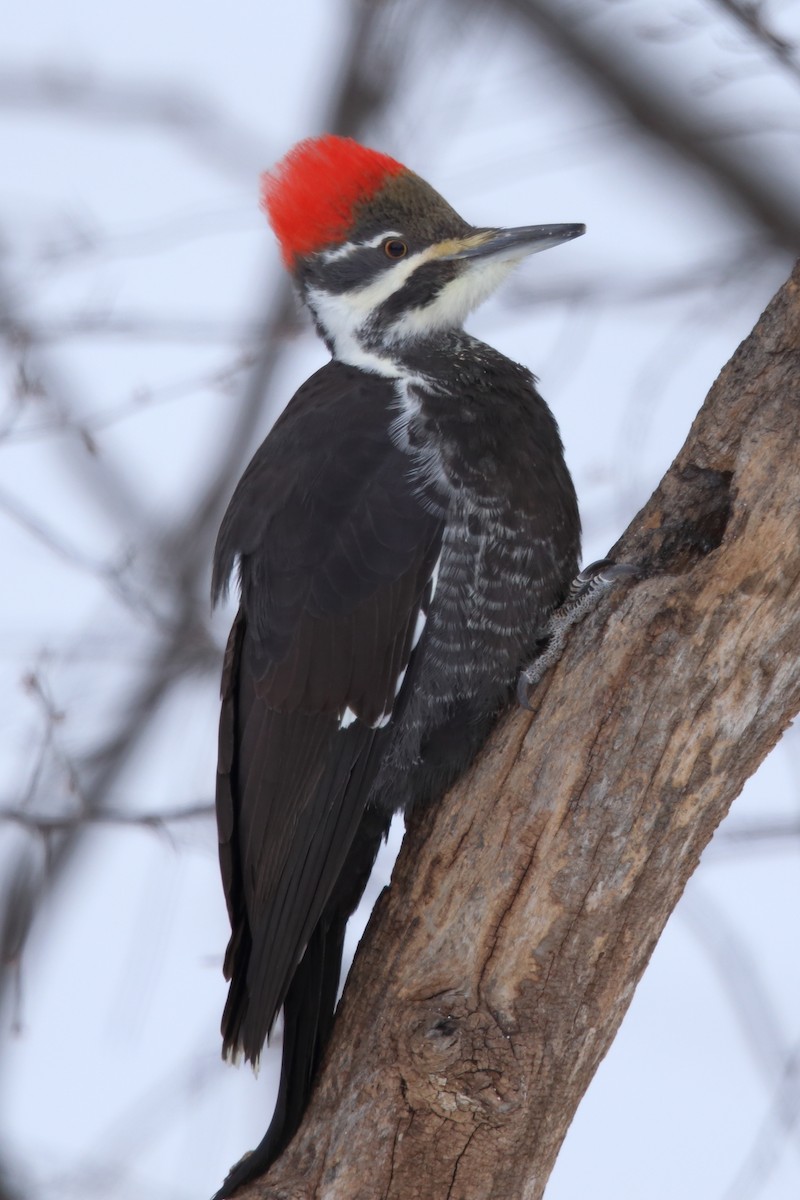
(346, 317)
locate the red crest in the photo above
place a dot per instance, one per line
(311, 195)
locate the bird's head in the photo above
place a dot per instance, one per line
(381, 259)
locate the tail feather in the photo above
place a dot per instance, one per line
(309, 1008)
(308, 1014)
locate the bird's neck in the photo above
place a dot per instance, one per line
(353, 340)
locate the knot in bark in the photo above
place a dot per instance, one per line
(459, 1062)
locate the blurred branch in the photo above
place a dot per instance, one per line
(157, 820)
(144, 326)
(17, 909)
(7, 1192)
(750, 14)
(226, 381)
(211, 134)
(83, 239)
(657, 109)
(118, 576)
(46, 382)
(770, 834)
(744, 990)
(782, 1118)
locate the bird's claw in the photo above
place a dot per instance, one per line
(586, 589)
(598, 575)
(527, 678)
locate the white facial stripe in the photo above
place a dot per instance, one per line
(360, 303)
(381, 237)
(330, 256)
(336, 318)
(344, 316)
(455, 301)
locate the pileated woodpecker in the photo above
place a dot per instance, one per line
(402, 537)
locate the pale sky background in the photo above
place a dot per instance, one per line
(132, 244)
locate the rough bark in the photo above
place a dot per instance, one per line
(524, 908)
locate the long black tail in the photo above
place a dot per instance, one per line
(309, 1008)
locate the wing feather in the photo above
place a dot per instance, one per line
(336, 550)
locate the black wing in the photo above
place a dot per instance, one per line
(335, 552)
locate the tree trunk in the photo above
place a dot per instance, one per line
(524, 908)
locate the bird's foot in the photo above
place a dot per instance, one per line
(585, 590)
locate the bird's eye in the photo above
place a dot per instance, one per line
(394, 248)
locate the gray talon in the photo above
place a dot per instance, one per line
(586, 589)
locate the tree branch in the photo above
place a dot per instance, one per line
(525, 907)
